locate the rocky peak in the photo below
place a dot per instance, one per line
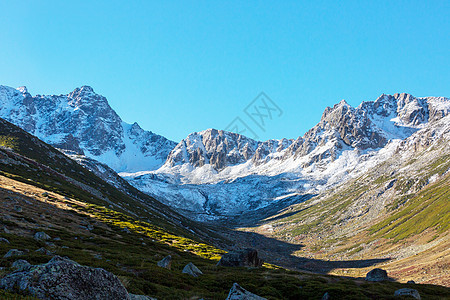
(22, 89)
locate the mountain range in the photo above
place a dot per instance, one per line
(216, 174)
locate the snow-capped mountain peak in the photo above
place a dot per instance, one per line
(83, 122)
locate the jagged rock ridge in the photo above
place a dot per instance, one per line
(82, 122)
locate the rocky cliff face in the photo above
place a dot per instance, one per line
(224, 173)
(82, 122)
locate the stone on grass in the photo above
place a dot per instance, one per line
(14, 252)
(192, 270)
(377, 275)
(241, 258)
(41, 236)
(166, 262)
(3, 240)
(407, 292)
(62, 278)
(239, 293)
(44, 251)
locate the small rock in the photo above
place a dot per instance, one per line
(13, 252)
(3, 240)
(126, 230)
(411, 282)
(192, 270)
(407, 292)
(44, 251)
(239, 293)
(41, 236)
(166, 262)
(20, 265)
(377, 275)
(326, 296)
(44, 194)
(18, 208)
(98, 256)
(56, 239)
(241, 258)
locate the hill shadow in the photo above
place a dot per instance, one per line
(281, 253)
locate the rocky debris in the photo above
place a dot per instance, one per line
(62, 278)
(377, 275)
(140, 297)
(14, 252)
(41, 236)
(166, 262)
(192, 270)
(241, 258)
(20, 264)
(239, 293)
(45, 251)
(3, 240)
(407, 292)
(326, 296)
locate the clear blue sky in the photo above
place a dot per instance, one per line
(177, 67)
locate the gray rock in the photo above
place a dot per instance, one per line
(41, 236)
(20, 264)
(3, 240)
(377, 275)
(239, 293)
(192, 270)
(407, 292)
(326, 296)
(44, 251)
(18, 208)
(166, 262)
(140, 297)
(241, 258)
(64, 279)
(411, 282)
(14, 252)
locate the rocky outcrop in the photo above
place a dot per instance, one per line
(192, 270)
(377, 275)
(64, 279)
(407, 292)
(239, 293)
(166, 262)
(241, 258)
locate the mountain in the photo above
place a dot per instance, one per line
(82, 122)
(398, 209)
(214, 173)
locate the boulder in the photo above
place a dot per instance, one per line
(20, 265)
(239, 293)
(41, 236)
(62, 278)
(14, 252)
(241, 258)
(377, 275)
(166, 262)
(192, 270)
(407, 292)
